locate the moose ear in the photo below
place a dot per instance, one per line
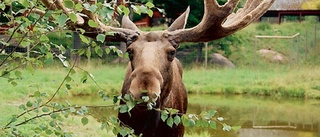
(128, 24)
(180, 22)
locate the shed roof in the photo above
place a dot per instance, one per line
(288, 5)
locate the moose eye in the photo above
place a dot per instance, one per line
(171, 54)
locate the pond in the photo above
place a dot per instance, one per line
(258, 116)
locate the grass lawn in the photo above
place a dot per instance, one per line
(302, 82)
(291, 81)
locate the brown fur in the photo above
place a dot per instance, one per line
(153, 68)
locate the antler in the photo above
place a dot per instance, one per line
(119, 34)
(220, 21)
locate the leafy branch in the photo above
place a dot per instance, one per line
(172, 116)
(46, 103)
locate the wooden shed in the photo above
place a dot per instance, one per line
(282, 8)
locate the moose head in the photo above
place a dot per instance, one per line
(152, 60)
(153, 69)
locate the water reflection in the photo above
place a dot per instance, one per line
(262, 116)
(257, 116)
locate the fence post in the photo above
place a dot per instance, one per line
(76, 45)
(206, 55)
(315, 35)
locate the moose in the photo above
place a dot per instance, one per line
(153, 69)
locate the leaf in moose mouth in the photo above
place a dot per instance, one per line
(145, 98)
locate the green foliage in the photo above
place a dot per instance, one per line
(41, 114)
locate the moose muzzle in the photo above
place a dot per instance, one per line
(146, 80)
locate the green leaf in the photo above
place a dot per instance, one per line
(191, 123)
(73, 17)
(107, 50)
(161, 10)
(213, 124)
(13, 119)
(119, 10)
(84, 120)
(93, 8)
(62, 19)
(123, 109)
(54, 115)
(164, 115)
(68, 79)
(104, 126)
(52, 123)
(101, 37)
(211, 113)
(149, 106)
(126, 11)
(29, 104)
(25, 44)
(68, 86)
(81, 30)
(98, 50)
(143, 9)
(44, 38)
(23, 107)
(88, 52)
(72, 109)
(79, 7)
(173, 111)
(48, 132)
(130, 105)
(72, 71)
(30, 69)
(119, 52)
(92, 24)
(204, 123)
(2, 6)
(136, 9)
(25, 3)
(170, 122)
(18, 73)
(145, 98)
(177, 120)
(49, 57)
(45, 109)
(127, 97)
(68, 3)
(198, 123)
(37, 94)
(84, 77)
(226, 127)
(123, 9)
(123, 132)
(149, 4)
(84, 39)
(150, 13)
(115, 99)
